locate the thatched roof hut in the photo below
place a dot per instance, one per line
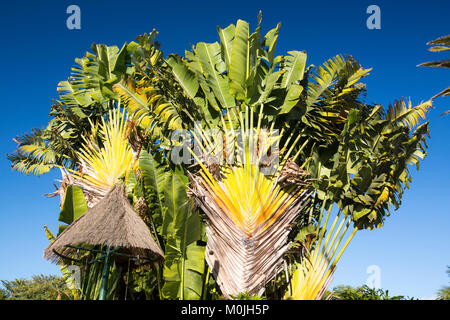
(111, 222)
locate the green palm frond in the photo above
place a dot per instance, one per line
(436, 64)
(102, 165)
(323, 79)
(438, 45)
(334, 80)
(350, 75)
(444, 40)
(446, 112)
(405, 114)
(84, 99)
(33, 154)
(148, 107)
(444, 93)
(332, 90)
(93, 76)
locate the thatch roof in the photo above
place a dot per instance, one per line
(111, 222)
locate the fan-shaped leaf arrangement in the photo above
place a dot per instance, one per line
(249, 212)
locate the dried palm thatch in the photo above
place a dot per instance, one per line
(63, 184)
(249, 213)
(111, 222)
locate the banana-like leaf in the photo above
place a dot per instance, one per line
(270, 41)
(184, 76)
(239, 63)
(436, 64)
(93, 77)
(74, 205)
(72, 95)
(85, 96)
(68, 276)
(291, 99)
(269, 84)
(184, 270)
(196, 67)
(210, 60)
(294, 68)
(226, 42)
(184, 259)
(154, 177)
(111, 61)
(440, 44)
(368, 171)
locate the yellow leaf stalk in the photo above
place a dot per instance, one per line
(314, 273)
(101, 165)
(249, 213)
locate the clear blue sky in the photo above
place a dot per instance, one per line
(412, 249)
